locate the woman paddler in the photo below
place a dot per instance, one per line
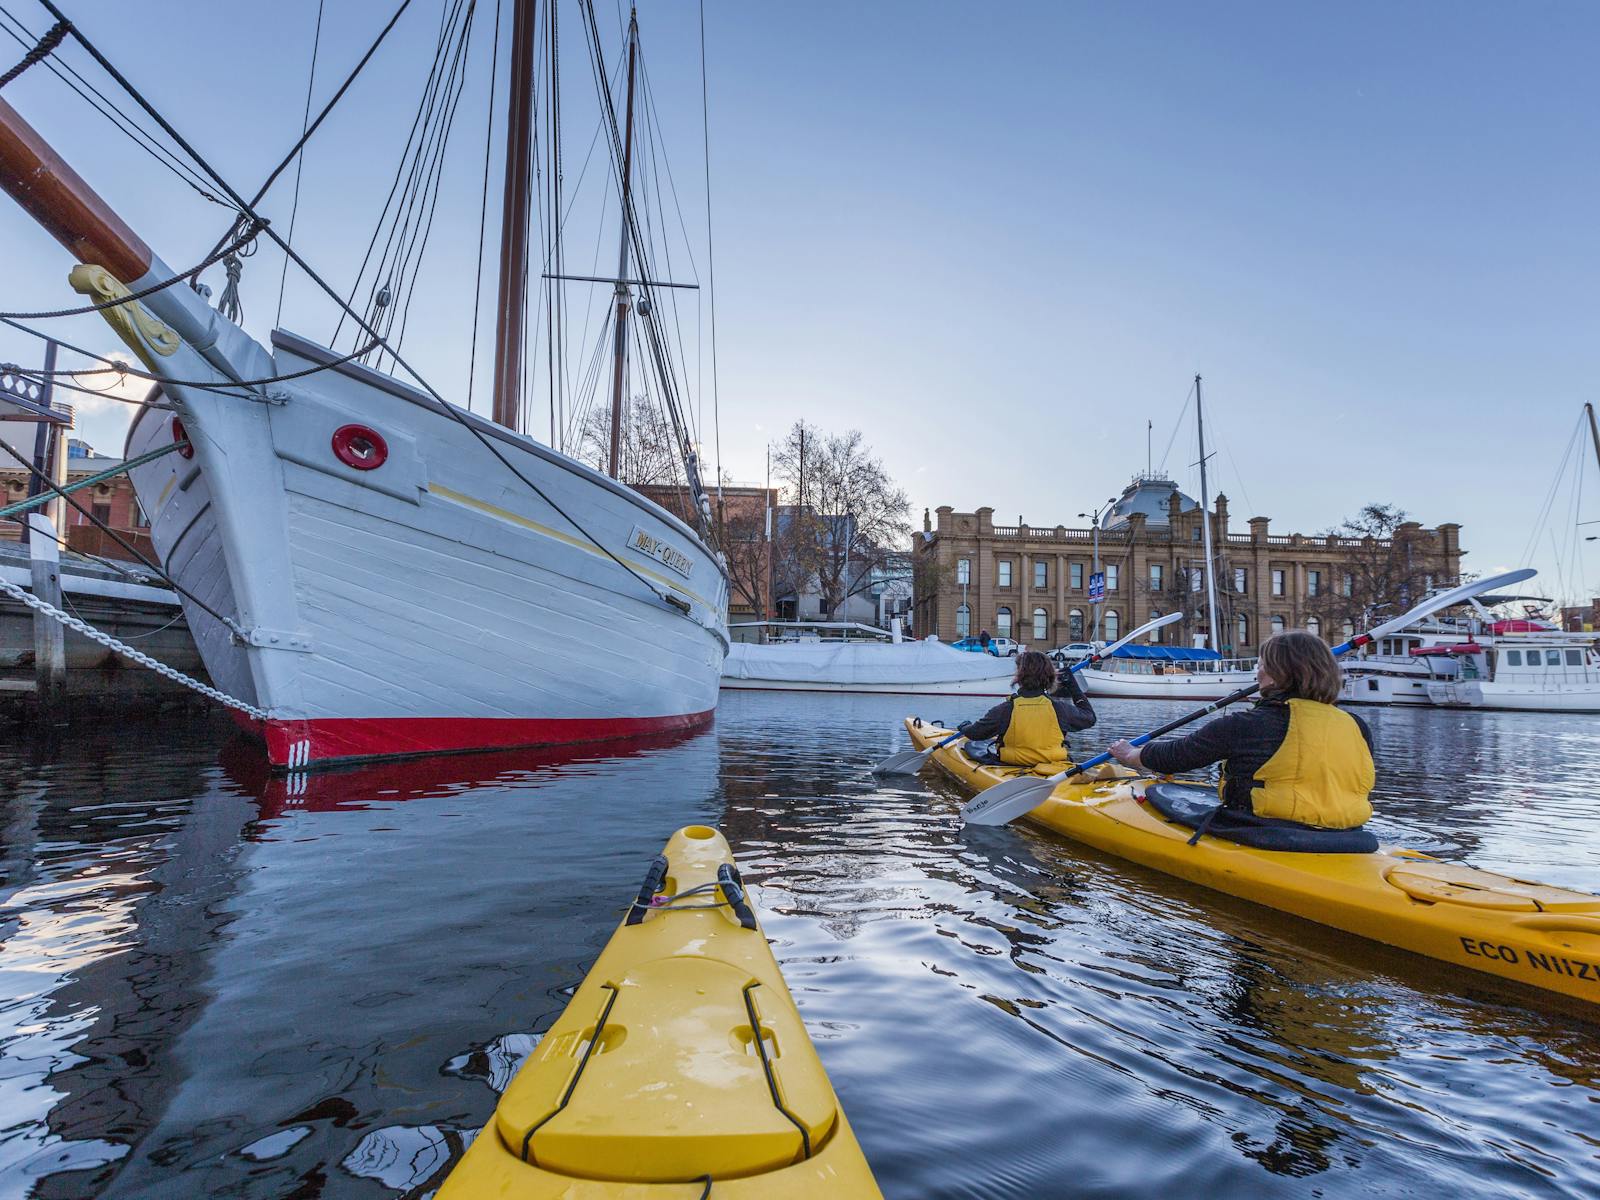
(1293, 756)
(1031, 727)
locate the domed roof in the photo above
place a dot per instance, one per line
(1150, 495)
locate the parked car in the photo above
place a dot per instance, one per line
(1074, 652)
(1000, 647)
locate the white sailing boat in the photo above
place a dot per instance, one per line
(1140, 673)
(369, 569)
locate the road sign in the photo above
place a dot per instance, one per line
(1097, 587)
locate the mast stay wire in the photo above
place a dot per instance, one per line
(300, 160)
(445, 407)
(102, 104)
(483, 206)
(711, 258)
(1543, 514)
(1176, 427)
(425, 108)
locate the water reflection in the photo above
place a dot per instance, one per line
(220, 982)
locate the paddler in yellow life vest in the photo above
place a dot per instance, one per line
(1293, 756)
(1031, 727)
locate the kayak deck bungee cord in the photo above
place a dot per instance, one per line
(679, 1069)
(1529, 932)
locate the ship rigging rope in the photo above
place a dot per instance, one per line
(251, 227)
(139, 656)
(483, 207)
(448, 409)
(41, 50)
(300, 162)
(104, 527)
(122, 368)
(97, 100)
(711, 254)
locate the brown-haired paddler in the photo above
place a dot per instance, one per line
(1293, 756)
(1031, 727)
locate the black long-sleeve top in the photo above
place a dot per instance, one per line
(1246, 740)
(1071, 705)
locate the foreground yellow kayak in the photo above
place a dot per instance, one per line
(1545, 936)
(680, 1069)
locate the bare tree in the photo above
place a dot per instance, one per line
(648, 452)
(1389, 565)
(847, 515)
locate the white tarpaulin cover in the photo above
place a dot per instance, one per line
(865, 663)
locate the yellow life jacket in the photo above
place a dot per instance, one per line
(1321, 774)
(1034, 736)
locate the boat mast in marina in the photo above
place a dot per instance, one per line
(619, 356)
(512, 292)
(1205, 520)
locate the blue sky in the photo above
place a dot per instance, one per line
(998, 239)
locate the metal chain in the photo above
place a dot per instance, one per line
(127, 651)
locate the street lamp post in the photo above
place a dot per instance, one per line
(1095, 606)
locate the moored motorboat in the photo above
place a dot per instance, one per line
(1548, 937)
(841, 664)
(680, 1068)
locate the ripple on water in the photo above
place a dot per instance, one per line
(218, 983)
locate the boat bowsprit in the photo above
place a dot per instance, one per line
(1529, 932)
(679, 1069)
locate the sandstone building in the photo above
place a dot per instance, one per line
(1030, 582)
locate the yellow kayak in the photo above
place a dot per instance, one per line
(680, 1068)
(1545, 936)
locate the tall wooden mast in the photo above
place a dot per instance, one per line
(619, 351)
(512, 296)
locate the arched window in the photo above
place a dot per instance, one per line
(1002, 623)
(1277, 625)
(1313, 626)
(1349, 631)
(1111, 625)
(1242, 637)
(963, 621)
(1041, 625)
(1075, 625)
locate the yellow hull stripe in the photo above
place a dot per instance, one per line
(577, 543)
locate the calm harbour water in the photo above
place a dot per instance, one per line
(215, 983)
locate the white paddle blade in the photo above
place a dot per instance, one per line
(1007, 801)
(907, 762)
(1147, 627)
(1458, 595)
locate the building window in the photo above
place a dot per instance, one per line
(102, 513)
(1348, 585)
(1077, 577)
(1349, 631)
(1041, 625)
(1041, 575)
(1427, 582)
(1242, 635)
(1155, 634)
(1111, 625)
(1112, 571)
(1002, 623)
(963, 571)
(1314, 626)
(1197, 579)
(1241, 580)
(1075, 625)
(1277, 583)
(1156, 572)
(1277, 625)
(1003, 573)
(1197, 533)
(963, 621)
(1313, 583)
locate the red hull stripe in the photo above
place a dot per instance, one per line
(298, 743)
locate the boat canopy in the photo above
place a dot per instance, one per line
(1521, 626)
(1168, 653)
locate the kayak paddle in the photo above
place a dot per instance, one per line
(909, 762)
(1009, 800)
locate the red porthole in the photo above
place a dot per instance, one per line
(180, 434)
(360, 447)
